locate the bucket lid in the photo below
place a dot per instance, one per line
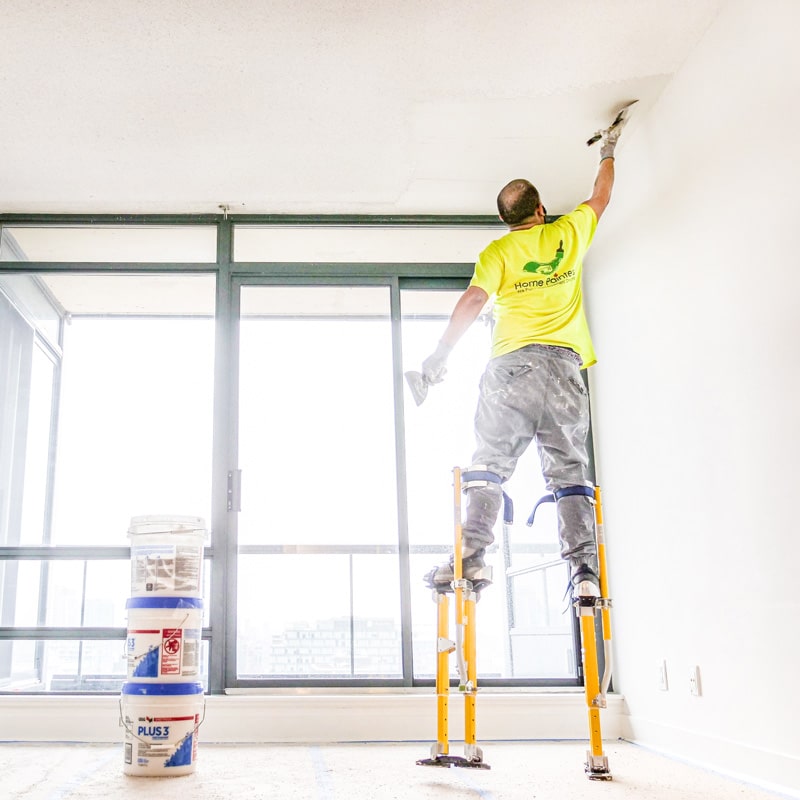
(164, 602)
(166, 523)
(162, 689)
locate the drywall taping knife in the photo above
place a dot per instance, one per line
(619, 121)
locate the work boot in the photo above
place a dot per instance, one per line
(585, 584)
(472, 566)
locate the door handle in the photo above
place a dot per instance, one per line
(235, 490)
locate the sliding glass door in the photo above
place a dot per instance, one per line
(345, 496)
(317, 571)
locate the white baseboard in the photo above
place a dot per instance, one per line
(319, 718)
(768, 769)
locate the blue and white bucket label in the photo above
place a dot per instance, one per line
(161, 722)
(161, 742)
(163, 652)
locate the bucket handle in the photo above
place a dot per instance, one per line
(179, 627)
(144, 741)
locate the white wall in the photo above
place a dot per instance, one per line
(694, 286)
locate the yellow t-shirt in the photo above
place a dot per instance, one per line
(535, 276)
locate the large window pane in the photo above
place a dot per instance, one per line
(134, 433)
(318, 616)
(21, 662)
(109, 243)
(20, 602)
(316, 436)
(35, 500)
(317, 452)
(133, 414)
(354, 244)
(89, 593)
(16, 366)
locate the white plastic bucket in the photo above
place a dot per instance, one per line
(161, 721)
(164, 635)
(167, 555)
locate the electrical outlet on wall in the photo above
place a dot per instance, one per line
(663, 685)
(694, 681)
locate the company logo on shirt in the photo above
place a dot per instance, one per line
(542, 283)
(547, 267)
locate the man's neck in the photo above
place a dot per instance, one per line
(530, 222)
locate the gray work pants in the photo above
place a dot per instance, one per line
(535, 394)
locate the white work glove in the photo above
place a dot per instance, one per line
(434, 366)
(609, 142)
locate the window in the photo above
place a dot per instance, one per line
(110, 422)
(158, 369)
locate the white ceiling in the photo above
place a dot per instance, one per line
(320, 106)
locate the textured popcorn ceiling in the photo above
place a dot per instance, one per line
(314, 106)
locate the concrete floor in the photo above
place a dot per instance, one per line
(519, 771)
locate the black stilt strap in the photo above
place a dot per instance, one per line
(567, 491)
(492, 477)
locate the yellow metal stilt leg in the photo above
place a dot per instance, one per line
(458, 580)
(472, 752)
(591, 677)
(465, 646)
(605, 602)
(443, 649)
(596, 761)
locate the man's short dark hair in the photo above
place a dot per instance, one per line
(517, 201)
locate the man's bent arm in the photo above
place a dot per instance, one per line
(467, 309)
(603, 183)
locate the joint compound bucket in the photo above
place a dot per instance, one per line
(164, 635)
(161, 721)
(167, 555)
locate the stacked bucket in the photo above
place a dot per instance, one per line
(163, 701)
